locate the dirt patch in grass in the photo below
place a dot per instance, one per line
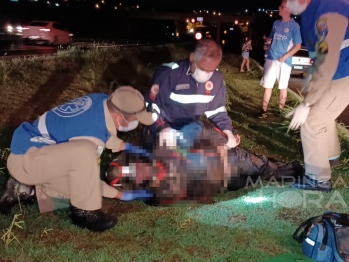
(118, 208)
(55, 237)
(166, 246)
(196, 251)
(271, 249)
(290, 214)
(241, 241)
(237, 219)
(174, 258)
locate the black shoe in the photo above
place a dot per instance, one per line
(335, 163)
(16, 191)
(262, 114)
(95, 221)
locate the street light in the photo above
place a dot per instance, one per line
(198, 36)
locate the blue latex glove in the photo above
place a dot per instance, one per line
(136, 194)
(136, 150)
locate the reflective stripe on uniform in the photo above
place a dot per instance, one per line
(345, 44)
(310, 242)
(191, 99)
(172, 65)
(221, 109)
(45, 137)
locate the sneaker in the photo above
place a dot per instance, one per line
(262, 114)
(95, 221)
(14, 193)
(311, 184)
(335, 163)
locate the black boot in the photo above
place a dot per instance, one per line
(16, 191)
(95, 221)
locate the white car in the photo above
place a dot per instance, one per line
(43, 32)
(301, 62)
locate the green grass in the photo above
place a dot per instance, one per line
(232, 229)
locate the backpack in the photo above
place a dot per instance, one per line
(325, 238)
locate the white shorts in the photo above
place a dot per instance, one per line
(275, 70)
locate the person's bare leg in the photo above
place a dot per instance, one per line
(266, 98)
(248, 64)
(242, 65)
(282, 98)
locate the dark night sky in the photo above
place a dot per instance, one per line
(219, 5)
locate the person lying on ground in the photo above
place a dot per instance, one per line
(193, 169)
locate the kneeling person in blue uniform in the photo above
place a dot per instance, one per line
(57, 156)
(183, 91)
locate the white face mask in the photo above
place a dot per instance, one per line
(295, 7)
(130, 126)
(201, 76)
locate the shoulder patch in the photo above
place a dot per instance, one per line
(172, 65)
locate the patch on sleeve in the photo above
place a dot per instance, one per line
(172, 65)
(321, 31)
(321, 28)
(154, 91)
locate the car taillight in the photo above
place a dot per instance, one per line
(311, 61)
(46, 30)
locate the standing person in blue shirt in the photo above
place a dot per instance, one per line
(286, 41)
(183, 91)
(326, 93)
(56, 158)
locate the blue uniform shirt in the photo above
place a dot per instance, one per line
(181, 100)
(285, 36)
(313, 29)
(83, 116)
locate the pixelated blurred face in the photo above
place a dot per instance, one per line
(143, 173)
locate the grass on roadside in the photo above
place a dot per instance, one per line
(251, 224)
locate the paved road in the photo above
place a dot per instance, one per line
(296, 83)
